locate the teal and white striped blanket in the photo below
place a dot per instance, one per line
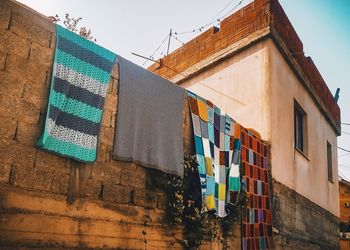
(80, 78)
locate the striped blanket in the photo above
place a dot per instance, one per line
(80, 78)
(218, 154)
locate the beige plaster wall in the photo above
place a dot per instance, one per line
(237, 86)
(305, 174)
(257, 88)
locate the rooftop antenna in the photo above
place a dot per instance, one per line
(336, 96)
(170, 34)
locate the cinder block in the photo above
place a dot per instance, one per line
(2, 60)
(25, 28)
(59, 183)
(101, 153)
(134, 178)
(7, 127)
(36, 94)
(29, 69)
(106, 173)
(5, 16)
(19, 109)
(116, 193)
(17, 154)
(144, 198)
(110, 102)
(41, 54)
(27, 133)
(14, 44)
(106, 136)
(162, 201)
(47, 161)
(23, 176)
(12, 84)
(5, 170)
(106, 119)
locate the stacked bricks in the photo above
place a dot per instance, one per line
(119, 208)
(258, 15)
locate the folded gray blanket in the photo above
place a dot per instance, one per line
(149, 120)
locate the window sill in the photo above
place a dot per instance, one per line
(302, 153)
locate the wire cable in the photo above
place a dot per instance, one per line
(212, 20)
(347, 133)
(345, 150)
(348, 124)
(151, 57)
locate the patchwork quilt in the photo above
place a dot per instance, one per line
(218, 154)
(256, 221)
(80, 78)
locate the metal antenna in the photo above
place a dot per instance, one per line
(170, 34)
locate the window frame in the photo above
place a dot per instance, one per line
(300, 129)
(329, 162)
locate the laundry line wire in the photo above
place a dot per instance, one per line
(175, 34)
(213, 19)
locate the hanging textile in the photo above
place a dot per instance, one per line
(256, 216)
(215, 142)
(79, 83)
(149, 120)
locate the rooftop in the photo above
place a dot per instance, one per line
(259, 20)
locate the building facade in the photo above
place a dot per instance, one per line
(253, 67)
(344, 203)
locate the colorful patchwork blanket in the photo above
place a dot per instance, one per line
(80, 78)
(256, 221)
(218, 154)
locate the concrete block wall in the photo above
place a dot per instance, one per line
(300, 223)
(114, 207)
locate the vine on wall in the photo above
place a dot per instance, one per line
(184, 209)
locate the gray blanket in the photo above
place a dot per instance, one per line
(149, 120)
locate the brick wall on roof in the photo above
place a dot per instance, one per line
(257, 15)
(118, 208)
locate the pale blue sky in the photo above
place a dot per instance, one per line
(140, 26)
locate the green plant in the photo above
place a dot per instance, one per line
(185, 205)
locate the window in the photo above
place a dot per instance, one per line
(329, 161)
(300, 128)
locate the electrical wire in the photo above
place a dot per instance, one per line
(345, 150)
(212, 20)
(177, 39)
(342, 175)
(151, 57)
(348, 124)
(347, 133)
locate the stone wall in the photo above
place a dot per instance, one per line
(300, 223)
(48, 201)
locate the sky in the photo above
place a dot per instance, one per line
(141, 27)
